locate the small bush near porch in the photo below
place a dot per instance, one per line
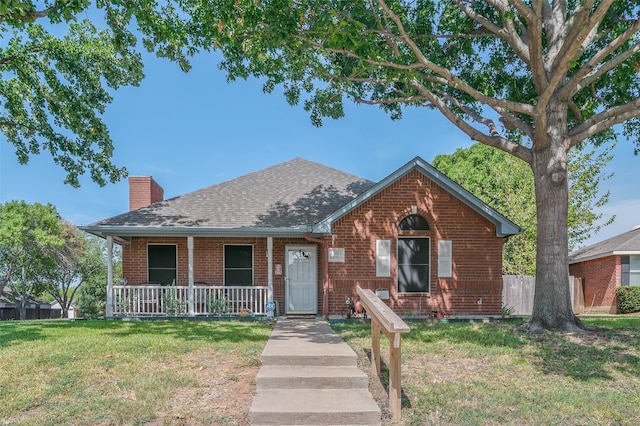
(496, 374)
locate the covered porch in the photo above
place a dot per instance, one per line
(188, 297)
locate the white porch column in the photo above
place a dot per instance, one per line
(270, 269)
(109, 309)
(192, 311)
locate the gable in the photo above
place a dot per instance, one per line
(504, 227)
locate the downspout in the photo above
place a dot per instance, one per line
(325, 284)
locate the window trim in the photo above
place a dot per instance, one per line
(224, 264)
(176, 268)
(413, 237)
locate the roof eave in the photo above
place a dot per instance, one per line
(604, 254)
(125, 232)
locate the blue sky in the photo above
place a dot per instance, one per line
(192, 130)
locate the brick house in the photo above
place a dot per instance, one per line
(304, 236)
(605, 266)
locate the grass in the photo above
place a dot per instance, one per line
(495, 373)
(202, 373)
(137, 372)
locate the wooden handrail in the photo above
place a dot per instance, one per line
(383, 319)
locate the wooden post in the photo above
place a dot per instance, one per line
(375, 347)
(385, 320)
(395, 389)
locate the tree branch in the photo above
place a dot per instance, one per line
(589, 74)
(494, 141)
(584, 28)
(446, 78)
(36, 14)
(604, 120)
(507, 33)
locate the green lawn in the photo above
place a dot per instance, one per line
(128, 373)
(462, 373)
(202, 373)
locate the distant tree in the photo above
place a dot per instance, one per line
(91, 298)
(506, 183)
(533, 78)
(72, 265)
(29, 234)
(56, 74)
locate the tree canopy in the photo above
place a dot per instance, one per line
(80, 260)
(29, 234)
(57, 75)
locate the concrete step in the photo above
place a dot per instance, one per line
(321, 359)
(314, 407)
(310, 377)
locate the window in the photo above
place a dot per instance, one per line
(413, 223)
(383, 258)
(238, 265)
(413, 265)
(162, 263)
(631, 270)
(413, 255)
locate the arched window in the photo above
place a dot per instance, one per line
(413, 223)
(414, 254)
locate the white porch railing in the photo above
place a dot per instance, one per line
(155, 300)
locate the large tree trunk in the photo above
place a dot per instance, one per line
(552, 308)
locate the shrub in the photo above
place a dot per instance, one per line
(628, 299)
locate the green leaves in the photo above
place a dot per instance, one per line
(55, 88)
(28, 235)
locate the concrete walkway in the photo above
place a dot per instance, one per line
(309, 376)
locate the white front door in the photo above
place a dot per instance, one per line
(301, 280)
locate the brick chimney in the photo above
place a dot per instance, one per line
(143, 191)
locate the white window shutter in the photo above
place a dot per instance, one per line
(383, 258)
(445, 260)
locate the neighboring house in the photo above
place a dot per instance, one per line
(36, 309)
(305, 235)
(605, 266)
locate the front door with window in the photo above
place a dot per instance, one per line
(301, 280)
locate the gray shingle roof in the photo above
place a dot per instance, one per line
(626, 243)
(288, 195)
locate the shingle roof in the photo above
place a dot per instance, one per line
(626, 243)
(293, 194)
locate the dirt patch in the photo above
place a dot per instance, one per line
(221, 394)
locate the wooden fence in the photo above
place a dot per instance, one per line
(518, 291)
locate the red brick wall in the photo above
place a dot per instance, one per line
(600, 278)
(477, 252)
(143, 191)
